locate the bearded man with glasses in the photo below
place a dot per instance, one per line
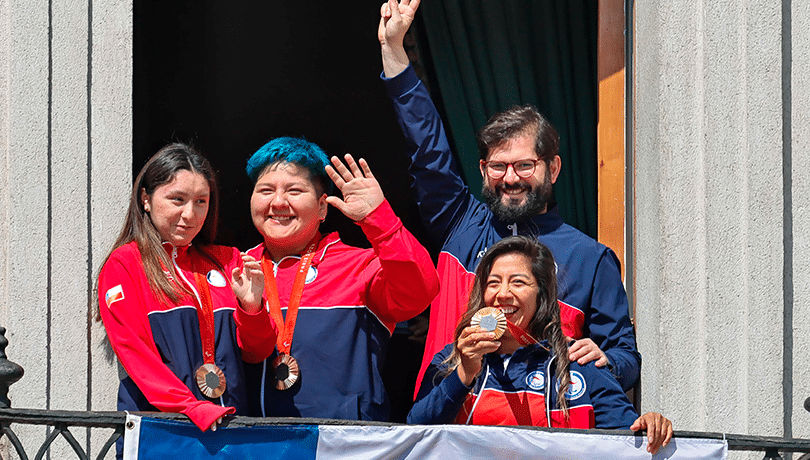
(519, 163)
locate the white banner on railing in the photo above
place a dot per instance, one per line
(156, 439)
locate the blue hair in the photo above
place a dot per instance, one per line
(291, 150)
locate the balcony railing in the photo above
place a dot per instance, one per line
(61, 422)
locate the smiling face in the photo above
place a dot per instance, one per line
(512, 197)
(178, 208)
(511, 287)
(286, 208)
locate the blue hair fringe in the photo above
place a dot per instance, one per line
(289, 150)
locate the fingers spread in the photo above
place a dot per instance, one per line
(394, 8)
(366, 169)
(355, 170)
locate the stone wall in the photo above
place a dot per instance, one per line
(721, 213)
(65, 176)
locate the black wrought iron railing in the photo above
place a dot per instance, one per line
(61, 423)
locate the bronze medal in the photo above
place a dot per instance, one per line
(211, 380)
(490, 319)
(287, 371)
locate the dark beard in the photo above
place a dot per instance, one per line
(536, 200)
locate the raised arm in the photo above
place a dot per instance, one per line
(441, 193)
(395, 20)
(405, 280)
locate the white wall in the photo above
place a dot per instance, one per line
(720, 323)
(799, 374)
(65, 175)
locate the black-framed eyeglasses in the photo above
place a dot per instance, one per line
(523, 168)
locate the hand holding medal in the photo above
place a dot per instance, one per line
(473, 343)
(491, 320)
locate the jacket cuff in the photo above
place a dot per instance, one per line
(401, 84)
(454, 385)
(380, 222)
(205, 414)
(252, 321)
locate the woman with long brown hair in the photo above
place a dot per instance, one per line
(165, 298)
(504, 368)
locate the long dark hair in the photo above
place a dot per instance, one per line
(138, 227)
(545, 324)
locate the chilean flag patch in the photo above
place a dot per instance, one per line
(114, 294)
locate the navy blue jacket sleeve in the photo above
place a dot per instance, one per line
(612, 410)
(609, 324)
(439, 399)
(441, 193)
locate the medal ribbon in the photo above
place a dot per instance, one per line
(286, 328)
(205, 313)
(523, 337)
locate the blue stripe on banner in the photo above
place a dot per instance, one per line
(168, 439)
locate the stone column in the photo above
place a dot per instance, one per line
(65, 175)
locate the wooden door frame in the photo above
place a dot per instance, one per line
(611, 127)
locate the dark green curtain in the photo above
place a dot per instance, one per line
(488, 55)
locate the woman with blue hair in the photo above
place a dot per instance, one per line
(330, 308)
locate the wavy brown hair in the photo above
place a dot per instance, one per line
(545, 324)
(515, 122)
(138, 227)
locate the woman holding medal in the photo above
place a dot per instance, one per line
(164, 298)
(331, 308)
(503, 368)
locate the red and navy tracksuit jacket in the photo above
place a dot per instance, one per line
(521, 389)
(158, 343)
(351, 303)
(593, 301)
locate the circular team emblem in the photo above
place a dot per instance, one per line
(312, 273)
(216, 279)
(577, 387)
(536, 380)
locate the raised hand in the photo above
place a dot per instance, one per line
(361, 191)
(247, 283)
(395, 20)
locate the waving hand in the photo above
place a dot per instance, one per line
(361, 191)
